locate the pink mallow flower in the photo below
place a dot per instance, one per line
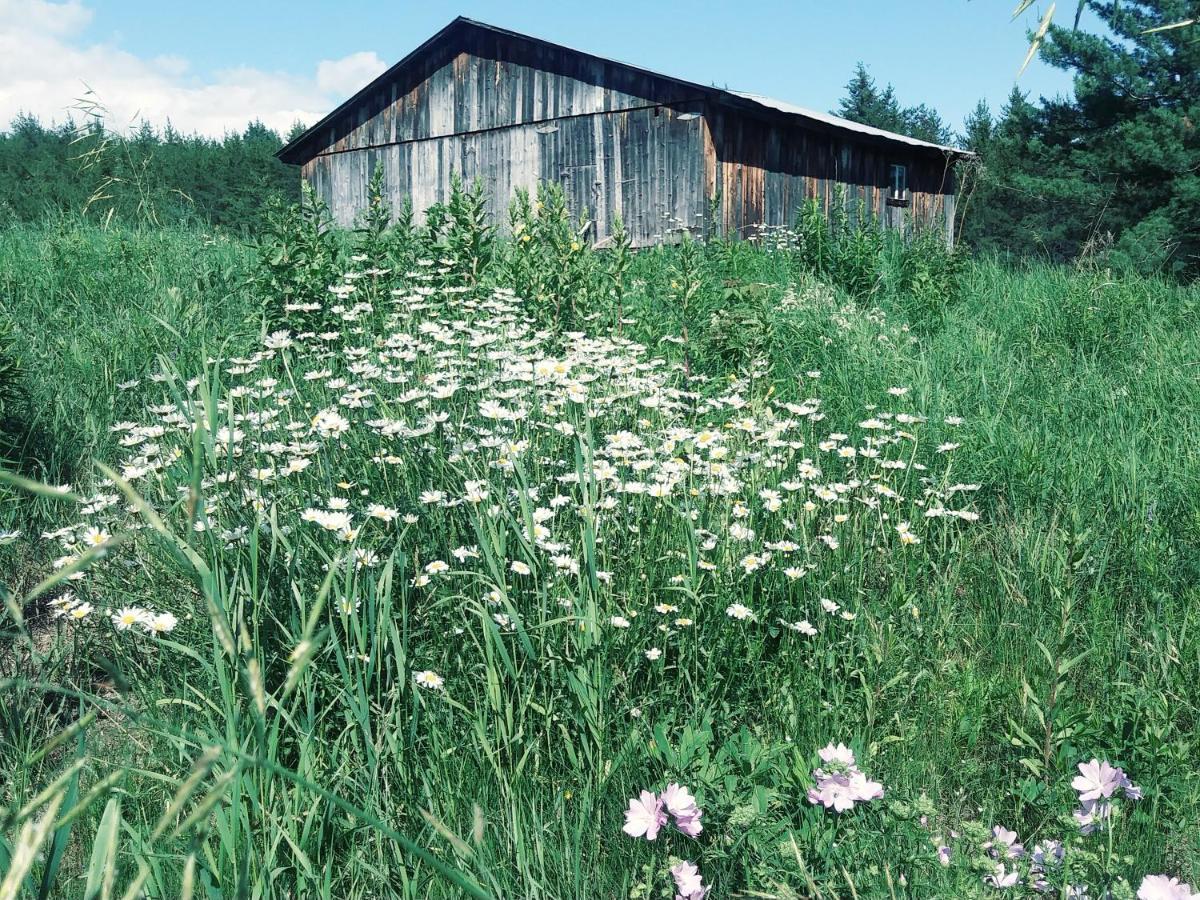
(1098, 779)
(840, 755)
(1002, 879)
(679, 800)
(1092, 815)
(1048, 853)
(843, 784)
(832, 792)
(863, 788)
(682, 805)
(1004, 843)
(688, 884)
(1160, 887)
(689, 825)
(648, 813)
(645, 816)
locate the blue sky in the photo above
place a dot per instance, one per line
(210, 65)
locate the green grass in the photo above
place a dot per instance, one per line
(276, 743)
(94, 309)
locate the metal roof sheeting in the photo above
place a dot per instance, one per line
(838, 122)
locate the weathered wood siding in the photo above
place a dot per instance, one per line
(645, 164)
(516, 118)
(764, 170)
(515, 111)
(491, 81)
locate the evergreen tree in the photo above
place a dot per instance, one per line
(1128, 141)
(977, 129)
(867, 104)
(147, 176)
(1006, 202)
(924, 123)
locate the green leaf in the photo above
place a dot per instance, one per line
(1021, 7)
(1037, 38)
(102, 867)
(1185, 23)
(62, 834)
(1067, 665)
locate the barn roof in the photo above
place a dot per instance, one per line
(300, 150)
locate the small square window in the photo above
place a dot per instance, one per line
(899, 181)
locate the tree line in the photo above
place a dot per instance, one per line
(149, 177)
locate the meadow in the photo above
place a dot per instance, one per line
(422, 561)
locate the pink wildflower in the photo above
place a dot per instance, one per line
(1091, 815)
(1097, 779)
(1002, 879)
(833, 792)
(688, 884)
(843, 784)
(1004, 843)
(862, 788)
(690, 825)
(644, 816)
(679, 800)
(841, 754)
(1160, 887)
(682, 805)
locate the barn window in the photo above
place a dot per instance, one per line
(899, 181)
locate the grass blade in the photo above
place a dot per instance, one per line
(102, 867)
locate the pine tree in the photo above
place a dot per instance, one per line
(924, 123)
(1128, 141)
(1007, 203)
(866, 103)
(977, 129)
(147, 176)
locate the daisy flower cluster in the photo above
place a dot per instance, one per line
(421, 416)
(515, 471)
(151, 622)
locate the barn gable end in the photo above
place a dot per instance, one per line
(470, 79)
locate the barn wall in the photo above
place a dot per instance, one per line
(764, 170)
(645, 163)
(515, 112)
(492, 82)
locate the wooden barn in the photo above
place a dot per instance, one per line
(662, 153)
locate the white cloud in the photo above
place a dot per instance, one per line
(46, 65)
(51, 18)
(346, 75)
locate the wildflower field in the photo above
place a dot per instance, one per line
(423, 561)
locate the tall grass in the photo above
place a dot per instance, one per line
(353, 710)
(92, 310)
